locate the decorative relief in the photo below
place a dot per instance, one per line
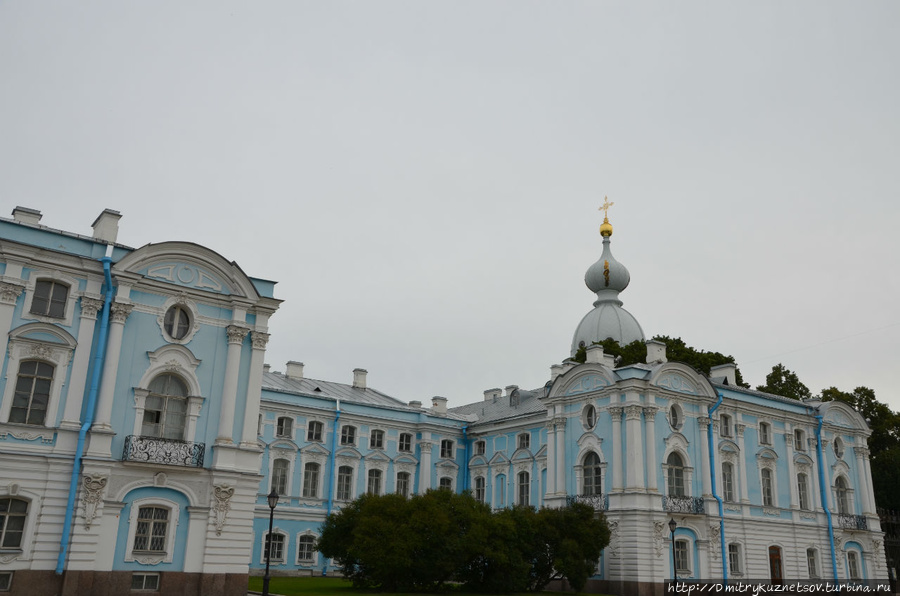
(236, 334)
(120, 311)
(259, 340)
(615, 412)
(704, 423)
(90, 307)
(9, 292)
(9, 558)
(876, 548)
(677, 383)
(659, 538)
(839, 418)
(650, 412)
(160, 479)
(41, 351)
(861, 452)
(426, 445)
(633, 412)
(586, 384)
(739, 429)
(811, 516)
(789, 440)
(614, 538)
(222, 494)
(150, 559)
(28, 436)
(187, 275)
(93, 493)
(733, 508)
(714, 540)
(771, 512)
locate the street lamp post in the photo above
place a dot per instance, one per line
(273, 501)
(672, 527)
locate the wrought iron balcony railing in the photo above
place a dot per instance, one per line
(598, 502)
(170, 452)
(683, 504)
(852, 522)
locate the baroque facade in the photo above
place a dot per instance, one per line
(141, 431)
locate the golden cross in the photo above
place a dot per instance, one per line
(605, 207)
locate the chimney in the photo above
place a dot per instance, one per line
(609, 361)
(656, 352)
(267, 367)
(106, 226)
(556, 370)
(727, 370)
(359, 378)
(439, 404)
(415, 404)
(492, 394)
(594, 355)
(26, 215)
(510, 389)
(294, 370)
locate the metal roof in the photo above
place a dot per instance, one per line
(499, 408)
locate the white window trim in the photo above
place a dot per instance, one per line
(740, 558)
(55, 276)
(306, 430)
(762, 492)
(171, 530)
(315, 554)
(770, 432)
(410, 490)
(354, 467)
(58, 355)
(277, 452)
(319, 480)
(262, 550)
(383, 439)
(579, 472)
(851, 502)
(859, 567)
(13, 491)
(355, 436)
(584, 417)
(689, 570)
(452, 449)
(289, 435)
(193, 315)
(818, 568)
(177, 360)
(412, 443)
(687, 472)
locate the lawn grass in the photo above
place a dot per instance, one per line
(325, 586)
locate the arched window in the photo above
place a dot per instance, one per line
(803, 491)
(592, 474)
(344, 483)
(165, 408)
(12, 522)
(676, 475)
(768, 494)
(32, 394)
(280, 476)
(728, 482)
(842, 494)
(479, 489)
(311, 480)
(524, 482)
(374, 486)
(306, 549)
(403, 483)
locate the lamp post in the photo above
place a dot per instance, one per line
(273, 501)
(672, 527)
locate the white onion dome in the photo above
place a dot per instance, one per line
(607, 277)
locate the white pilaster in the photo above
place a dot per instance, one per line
(862, 455)
(705, 472)
(560, 460)
(425, 448)
(254, 388)
(616, 414)
(236, 337)
(81, 362)
(650, 451)
(635, 448)
(118, 314)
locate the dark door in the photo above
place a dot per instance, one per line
(775, 564)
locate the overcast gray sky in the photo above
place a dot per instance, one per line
(423, 178)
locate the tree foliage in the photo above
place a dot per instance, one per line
(676, 350)
(784, 382)
(418, 544)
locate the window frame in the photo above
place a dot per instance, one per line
(445, 483)
(735, 562)
(284, 427)
(592, 470)
(675, 416)
(4, 523)
(767, 487)
(803, 491)
(480, 447)
(447, 448)
(71, 296)
(405, 443)
(403, 483)
(310, 539)
(725, 426)
(376, 439)
(799, 439)
(523, 441)
(152, 557)
(312, 473)
(728, 492)
(675, 476)
(265, 542)
(145, 576)
(523, 488)
(341, 487)
(283, 487)
(479, 491)
(765, 433)
(165, 414)
(177, 304)
(838, 447)
(375, 482)
(589, 417)
(683, 558)
(842, 495)
(36, 378)
(51, 299)
(348, 435)
(812, 563)
(314, 431)
(854, 568)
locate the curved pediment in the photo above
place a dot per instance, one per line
(583, 379)
(681, 378)
(766, 453)
(44, 333)
(188, 265)
(499, 458)
(729, 445)
(478, 460)
(837, 413)
(522, 454)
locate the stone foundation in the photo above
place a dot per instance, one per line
(116, 583)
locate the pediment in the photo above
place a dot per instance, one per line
(499, 458)
(314, 449)
(674, 381)
(522, 454)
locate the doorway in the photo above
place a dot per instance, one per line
(775, 565)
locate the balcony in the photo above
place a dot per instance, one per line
(683, 504)
(852, 522)
(168, 452)
(598, 502)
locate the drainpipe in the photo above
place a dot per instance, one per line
(465, 458)
(824, 495)
(331, 474)
(99, 357)
(712, 474)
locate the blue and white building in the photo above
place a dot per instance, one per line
(140, 432)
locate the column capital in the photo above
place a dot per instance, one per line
(120, 311)
(260, 340)
(703, 421)
(236, 334)
(616, 412)
(861, 452)
(739, 429)
(650, 412)
(90, 307)
(633, 412)
(9, 292)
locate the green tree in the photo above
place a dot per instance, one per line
(574, 537)
(784, 382)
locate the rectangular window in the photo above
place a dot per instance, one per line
(447, 449)
(345, 483)
(726, 425)
(853, 565)
(799, 440)
(314, 432)
(734, 559)
(306, 549)
(348, 435)
(446, 483)
(145, 581)
(812, 563)
(767, 493)
(29, 405)
(524, 441)
(682, 557)
(479, 489)
(277, 545)
(376, 439)
(280, 476)
(311, 481)
(728, 482)
(524, 488)
(285, 427)
(403, 484)
(374, 486)
(765, 434)
(803, 491)
(479, 447)
(50, 299)
(6, 578)
(12, 522)
(405, 443)
(152, 525)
